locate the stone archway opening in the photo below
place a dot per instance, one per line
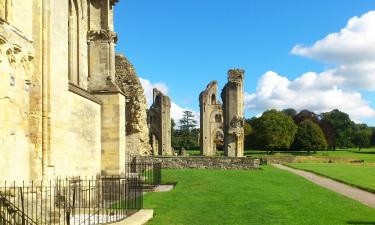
(218, 141)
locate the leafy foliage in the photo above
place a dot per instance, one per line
(186, 136)
(274, 130)
(309, 137)
(362, 136)
(290, 112)
(342, 126)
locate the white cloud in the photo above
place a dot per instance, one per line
(148, 88)
(176, 110)
(276, 91)
(351, 54)
(352, 51)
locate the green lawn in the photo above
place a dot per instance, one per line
(358, 175)
(350, 154)
(268, 196)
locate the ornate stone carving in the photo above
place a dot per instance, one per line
(103, 35)
(236, 75)
(237, 122)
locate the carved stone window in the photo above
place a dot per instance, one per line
(213, 99)
(73, 40)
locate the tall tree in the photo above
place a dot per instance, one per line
(187, 125)
(309, 137)
(373, 136)
(362, 136)
(342, 126)
(274, 131)
(248, 132)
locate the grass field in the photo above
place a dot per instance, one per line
(268, 196)
(368, 155)
(362, 176)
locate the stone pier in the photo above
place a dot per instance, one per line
(233, 108)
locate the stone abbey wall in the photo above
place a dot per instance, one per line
(159, 120)
(211, 120)
(62, 111)
(202, 162)
(233, 107)
(223, 124)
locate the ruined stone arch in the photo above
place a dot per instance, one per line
(217, 139)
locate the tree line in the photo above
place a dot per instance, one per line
(306, 131)
(287, 130)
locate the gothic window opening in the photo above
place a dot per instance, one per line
(213, 99)
(73, 40)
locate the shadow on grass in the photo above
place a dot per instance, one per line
(361, 222)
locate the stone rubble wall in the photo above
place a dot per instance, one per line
(201, 162)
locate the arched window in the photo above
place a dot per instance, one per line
(213, 99)
(73, 40)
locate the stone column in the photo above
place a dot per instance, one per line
(233, 108)
(102, 84)
(160, 124)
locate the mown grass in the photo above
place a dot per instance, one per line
(368, 155)
(268, 196)
(361, 176)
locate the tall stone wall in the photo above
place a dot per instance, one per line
(211, 120)
(233, 108)
(159, 119)
(137, 137)
(62, 111)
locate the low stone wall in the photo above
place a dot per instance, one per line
(200, 162)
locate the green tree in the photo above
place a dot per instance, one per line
(362, 136)
(187, 125)
(248, 132)
(342, 127)
(373, 136)
(290, 112)
(274, 131)
(309, 137)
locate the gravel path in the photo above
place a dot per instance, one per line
(364, 197)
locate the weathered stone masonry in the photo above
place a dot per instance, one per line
(202, 162)
(233, 108)
(159, 119)
(137, 137)
(211, 120)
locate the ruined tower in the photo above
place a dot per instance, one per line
(159, 119)
(137, 138)
(211, 121)
(233, 108)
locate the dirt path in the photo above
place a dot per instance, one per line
(364, 197)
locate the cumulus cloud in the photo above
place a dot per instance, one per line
(176, 110)
(148, 88)
(351, 50)
(350, 53)
(276, 91)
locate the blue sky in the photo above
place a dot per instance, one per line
(183, 45)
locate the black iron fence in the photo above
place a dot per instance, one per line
(71, 201)
(150, 173)
(77, 201)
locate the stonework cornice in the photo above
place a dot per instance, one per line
(103, 35)
(236, 75)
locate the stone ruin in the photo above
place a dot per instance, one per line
(137, 136)
(223, 124)
(159, 120)
(233, 108)
(211, 121)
